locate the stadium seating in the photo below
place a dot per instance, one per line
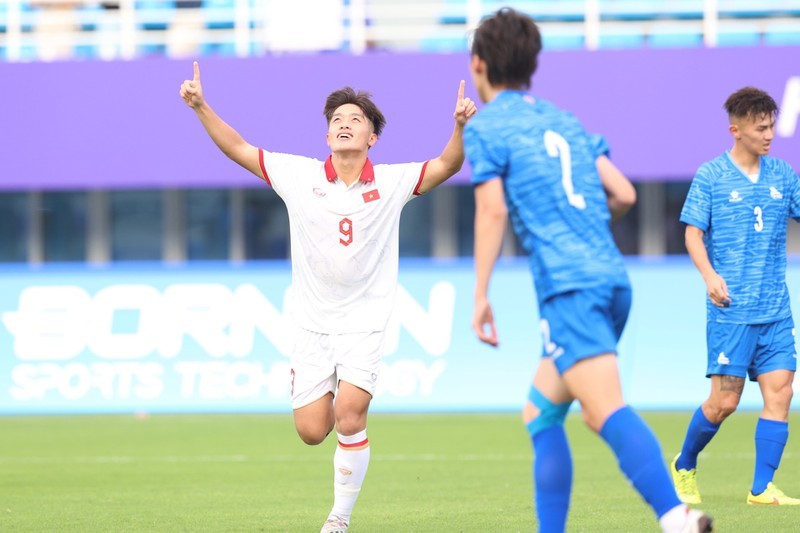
(739, 34)
(181, 28)
(782, 33)
(674, 35)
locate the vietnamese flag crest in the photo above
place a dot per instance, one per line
(371, 196)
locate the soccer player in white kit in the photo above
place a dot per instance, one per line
(344, 219)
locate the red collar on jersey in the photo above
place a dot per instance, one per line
(367, 173)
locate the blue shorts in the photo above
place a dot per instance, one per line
(750, 350)
(584, 323)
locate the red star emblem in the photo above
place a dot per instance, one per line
(371, 196)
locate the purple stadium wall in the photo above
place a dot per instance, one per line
(122, 124)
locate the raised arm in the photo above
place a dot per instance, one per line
(491, 214)
(452, 157)
(715, 284)
(619, 190)
(224, 136)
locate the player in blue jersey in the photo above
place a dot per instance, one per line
(536, 164)
(736, 214)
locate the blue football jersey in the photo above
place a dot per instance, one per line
(556, 203)
(745, 234)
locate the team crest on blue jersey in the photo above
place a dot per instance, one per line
(775, 193)
(735, 197)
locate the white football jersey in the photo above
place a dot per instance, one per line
(345, 240)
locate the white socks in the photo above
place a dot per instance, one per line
(350, 464)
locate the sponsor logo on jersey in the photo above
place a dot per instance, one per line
(735, 197)
(319, 193)
(775, 194)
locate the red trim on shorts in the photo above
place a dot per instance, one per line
(421, 176)
(263, 168)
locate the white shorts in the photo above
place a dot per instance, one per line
(320, 360)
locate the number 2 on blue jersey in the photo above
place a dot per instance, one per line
(557, 146)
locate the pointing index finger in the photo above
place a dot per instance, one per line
(196, 71)
(461, 91)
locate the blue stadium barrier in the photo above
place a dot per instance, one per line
(218, 49)
(621, 40)
(455, 12)
(219, 14)
(674, 36)
(739, 35)
(28, 15)
(89, 16)
(782, 34)
(155, 14)
(675, 24)
(563, 41)
(635, 10)
(758, 8)
(541, 10)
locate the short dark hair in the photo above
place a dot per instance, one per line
(509, 42)
(362, 99)
(750, 102)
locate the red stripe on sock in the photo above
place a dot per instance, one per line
(355, 444)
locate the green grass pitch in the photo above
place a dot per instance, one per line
(429, 473)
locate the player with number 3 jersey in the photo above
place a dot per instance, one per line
(535, 164)
(736, 214)
(344, 220)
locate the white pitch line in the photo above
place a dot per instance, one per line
(126, 459)
(286, 458)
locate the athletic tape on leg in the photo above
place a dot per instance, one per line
(550, 414)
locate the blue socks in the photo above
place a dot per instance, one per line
(699, 433)
(771, 437)
(639, 456)
(640, 459)
(552, 478)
